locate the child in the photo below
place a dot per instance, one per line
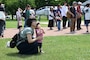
(39, 32)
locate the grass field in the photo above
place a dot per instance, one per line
(75, 47)
(13, 23)
(56, 48)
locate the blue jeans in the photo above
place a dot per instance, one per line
(25, 22)
(59, 24)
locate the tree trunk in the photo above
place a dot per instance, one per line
(12, 16)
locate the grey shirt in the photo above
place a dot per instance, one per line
(25, 31)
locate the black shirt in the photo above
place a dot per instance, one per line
(73, 10)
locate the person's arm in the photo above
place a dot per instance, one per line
(43, 31)
(70, 13)
(30, 40)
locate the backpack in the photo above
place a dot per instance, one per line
(14, 40)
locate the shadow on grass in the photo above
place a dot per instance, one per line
(21, 55)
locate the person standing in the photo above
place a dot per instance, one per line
(64, 14)
(27, 14)
(2, 21)
(19, 18)
(79, 16)
(51, 19)
(87, 16)
(59, 17)
(39, 32)
(73, 18)
(54, 11)
(67, 15)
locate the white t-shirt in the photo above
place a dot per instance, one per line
(32, 12)
(87, 13)
(2, 15)
(64, 10)
(51, 15)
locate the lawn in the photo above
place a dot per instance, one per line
(56, 48)
(13, 23)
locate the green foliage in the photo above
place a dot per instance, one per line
(12, 5)
(13, 23)
(40, 3)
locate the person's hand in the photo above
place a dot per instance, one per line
(72, 15)
(39, 38)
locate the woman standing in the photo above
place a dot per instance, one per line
(19, 18)
(51, 19)
(87, 16)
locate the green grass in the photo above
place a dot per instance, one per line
(56, 48)
(13, 23)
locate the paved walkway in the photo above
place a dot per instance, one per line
(9, 33)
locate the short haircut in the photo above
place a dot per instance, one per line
(28, 5)
(29, 22)
(58, 5)
(37, 25)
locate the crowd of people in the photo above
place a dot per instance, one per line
(69, 14)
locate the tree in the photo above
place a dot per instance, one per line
(12, 5)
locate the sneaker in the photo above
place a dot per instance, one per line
(42, 52)
(8, 44)
(72, 32)
(51, 29)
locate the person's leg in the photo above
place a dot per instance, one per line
(25, 22)
(40, 47)
(78, 23)
(26, 48)
(64, 22)
(52, 24)
(1, 28)
(4, 25)
(58, 24)
(68, 22)
(87, 28)
(71, 25)
(49, 24)
(87, 25)
(74, 22)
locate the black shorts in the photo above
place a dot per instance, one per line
(87, 22)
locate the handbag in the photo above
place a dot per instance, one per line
(69, 15)
(79, 15)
